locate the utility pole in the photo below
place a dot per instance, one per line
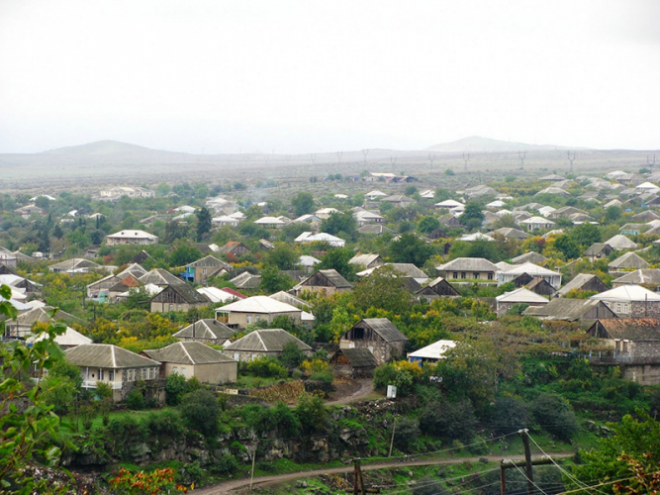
(521, 157)
(466, 159)
(509, 464)
(528, 461)
(358, 481)
(254, 459)
(571, 159)
(392, 441)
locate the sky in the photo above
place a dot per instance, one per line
(303, 76)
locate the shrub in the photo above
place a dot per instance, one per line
(406, 433)
(449, 420)
(554, 414)
(200, 411)
(509, 415)
(267, 367)
(291, 356)
(311, 413)
(227, 464)
(322, 376)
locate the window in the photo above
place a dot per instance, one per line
(463, 275)
(455, 274)
(175, 370)
(475, 275)
(183, 370)
(111, 375)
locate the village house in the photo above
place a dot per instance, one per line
(326, 282)
(537, 223)
(565, 309)
(648, 278)
(308, 237)
(529, 257)
(75, 265)
(583, 282)
(201, 270)
(535, 271)
(632, 345)
(194, 359)
(468, 269)
(234, 248)
(206, 331)
(432, 353)
(246, 281)
(508, 300)
(379, 335)
(131, 237)
(180, 297)
(626, 262)
(631, 301)
(242, 313)
(541, 286)
(597, 251)
(438, 287)
(268, 342)
(20, 328)
(112, 365)
(358, 362)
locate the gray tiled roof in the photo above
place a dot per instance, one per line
(106, 356)
(469, 265)
(268, 340)
(207, 328)
(160, 277)
(386, 329)
(188, 353)
(562, 309)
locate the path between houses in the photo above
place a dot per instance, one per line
(365, 387)
(236, 486)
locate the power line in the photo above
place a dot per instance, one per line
(531, 481)
(562, 470)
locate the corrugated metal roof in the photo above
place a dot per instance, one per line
(359, 357)
(160, 277)
(436, 350)
(386, 329)
(530, 257)
(580, 280)
(188, 353)
(644, 276)
(522, 295)
(627, 293)
(629, 260)
(563, 309)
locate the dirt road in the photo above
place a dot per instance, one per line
(366, 386)
(234, 486)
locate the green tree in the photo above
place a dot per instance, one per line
(382, 289)
(311, 413)
(338, 258)
(30, 435)
(283, 256)
(184, 254)
(554, 414)
(204, 222)
(410, 249)
(453, 420)
(612, 214)
(291, 356)
(273, 280)
(428, 224)
(302, 203)
(200, 411)
(565, 245)
(585, 234)
(340, 223)
(472, 212)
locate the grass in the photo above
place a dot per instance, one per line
(252, 381)
(71, 424)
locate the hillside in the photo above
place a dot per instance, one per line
(477, 144)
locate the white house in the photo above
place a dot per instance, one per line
(131, 237)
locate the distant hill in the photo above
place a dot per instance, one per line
(477, 144)
(106, 147)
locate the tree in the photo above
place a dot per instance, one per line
(585, 234)
(283, 256)
(410, 249)
(200, 411)
(453, 420)
(339, 222)
(184, 254)
(302, 203)
(291, 356)
(29, 435)
(204, 222)
(272, 280)
(612, 214)
(566, 246)
(338, 258)
(472, 212)
(382, 289)
(638, 439)
(311, 413)
(554, 415)
(428, 224)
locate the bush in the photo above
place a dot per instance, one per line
(227, 464)
(200, 411)
(322, 376)
(176, 386)
(311, 413)
(449, 420)
(406, 433)
(135, 400)
(291, 356)
(266, 368)
(400, 374)
(509, 415)
(554, 414)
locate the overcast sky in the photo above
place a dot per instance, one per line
(301, 76)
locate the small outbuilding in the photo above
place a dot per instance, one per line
(268, 342)
(379, 335)
(358, 362)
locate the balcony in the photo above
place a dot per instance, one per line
(92, 384)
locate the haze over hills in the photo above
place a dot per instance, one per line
(478, 144)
